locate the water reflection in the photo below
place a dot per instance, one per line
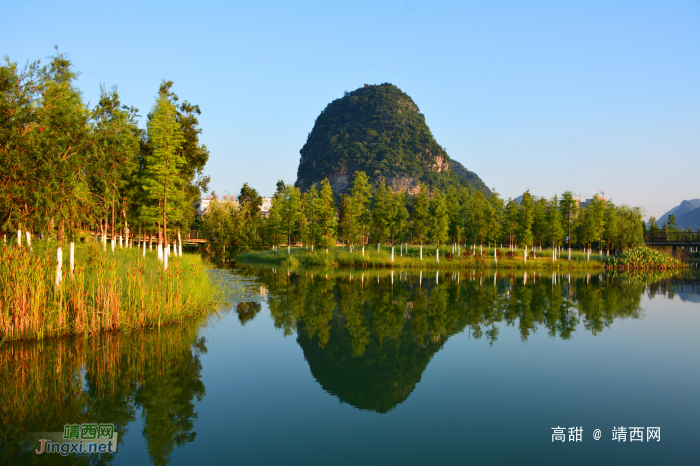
(104, 379)
(369, 335)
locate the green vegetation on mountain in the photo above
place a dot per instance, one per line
(378, 129)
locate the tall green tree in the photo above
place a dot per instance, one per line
(162, 181)
(555, 231)
(380, 213)
(419, 221)
(311, 215)
(569, 214)
(360, 208)
(290, 212)
(526, 219)
(326, 215)
(439, 219)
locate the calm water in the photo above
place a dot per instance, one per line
(374, 368)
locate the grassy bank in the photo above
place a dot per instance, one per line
(106, 292)
(342, 257)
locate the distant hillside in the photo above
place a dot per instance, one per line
(378, 129)
(690, 219)
(680, 210)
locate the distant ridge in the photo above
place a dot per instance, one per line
(680, 210)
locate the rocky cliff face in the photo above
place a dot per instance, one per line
(378, 130)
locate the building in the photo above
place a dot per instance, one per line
(204, 202)
(266, 206)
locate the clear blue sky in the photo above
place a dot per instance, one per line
(546, 96)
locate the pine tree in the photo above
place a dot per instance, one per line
(439, 219)
(326, 215)
(311, 216)
(555, 232)
(162, 182)
(526, 219)
(360, 207)
(380, 207)
(290, 212)
(419, 223)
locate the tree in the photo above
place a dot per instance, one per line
(290, 213)
(512, 217)
(439, 219)
(360, 207)
(380, 214)
(612, 224)
(326, 215)
(526, 219)
(555, 231)
(539, 219)
(496, 217)
(420, 215)
(249, 202)
(311, 215)
(479, 210)
(162, 175)
(396, 212)
(113, 177)
(569, 213)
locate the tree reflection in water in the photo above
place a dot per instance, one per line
(104, 379)
(369, 335)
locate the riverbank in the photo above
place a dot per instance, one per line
(483, 259)
(106, 291)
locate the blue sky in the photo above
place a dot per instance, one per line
(546, 96)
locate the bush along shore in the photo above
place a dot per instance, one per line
(453, 256)
(42, 296)
(642, 258)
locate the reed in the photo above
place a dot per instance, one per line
(105, 292)
(342, 257)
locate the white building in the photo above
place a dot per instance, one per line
(205, 201)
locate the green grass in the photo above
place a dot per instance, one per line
(107, 292)
(342, 257)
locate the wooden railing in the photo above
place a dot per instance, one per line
(662, 236)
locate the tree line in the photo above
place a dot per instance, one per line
(378, 215)
(69, 167)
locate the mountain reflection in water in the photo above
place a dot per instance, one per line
(369, 335)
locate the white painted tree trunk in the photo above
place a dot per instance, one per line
(525, 255)
(326, 250)
(421, 252)
(437, 255)
(289, 249)
(588, 255)
(111, 241)
(165, 261)
(19, 238)
(312, 248)
(569, 253)
(392, 257)
(459, 251)
(179, 243)
(378, 247)
(363, 249)
(59, 266)
(29, 239)
(72, 257)
(120, 242)
(144, 249)
(495, 255)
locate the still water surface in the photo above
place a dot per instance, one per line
(336, 367)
